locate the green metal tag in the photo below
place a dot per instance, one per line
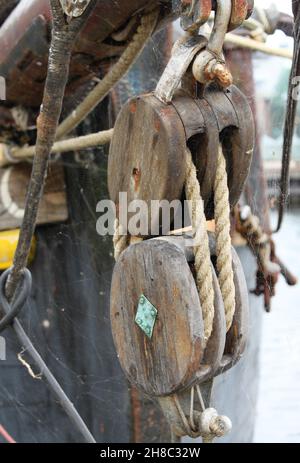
(146, 316)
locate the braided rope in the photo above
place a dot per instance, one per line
(120, 240)
(223, 240)
(204, 279)
(144, 31)
(223, 243)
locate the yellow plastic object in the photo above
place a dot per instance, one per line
(8, 244)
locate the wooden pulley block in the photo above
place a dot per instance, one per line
(156, 319)
(214, 361)
(147, 154)
(147, 157)
(219, 115)
(229, 113)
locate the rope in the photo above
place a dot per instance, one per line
(223, 240)
(12, 155)
(252, 44)
(127, 59)
(204, 279)
(144, 31)
(120, 240)
(209, 423)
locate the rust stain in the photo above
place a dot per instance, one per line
(167, 111)
(206, 7)
(241, 9)
(132, 107)
(136, 174)
(157, 124)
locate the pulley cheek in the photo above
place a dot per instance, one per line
(167, 342)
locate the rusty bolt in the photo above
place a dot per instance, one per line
(220, 73)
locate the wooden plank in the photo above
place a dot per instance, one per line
(13, 186)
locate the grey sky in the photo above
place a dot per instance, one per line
(282, 5)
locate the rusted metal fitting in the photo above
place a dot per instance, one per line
(263, 247)
(209, 65)
(250, 228)
(207, 68)
(194, 13)
(183, 53)
(240, 10)
(74, 8)
(220, 73)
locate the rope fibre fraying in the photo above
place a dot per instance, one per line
(127, 59)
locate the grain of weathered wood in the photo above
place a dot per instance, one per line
(190, 114)
(170, 360)
(13, 185)
(147, 153)
(227, 117)
(223, 350)
(237, 336)
(214, 349)
(238, 146)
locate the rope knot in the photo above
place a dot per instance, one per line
(213, 425)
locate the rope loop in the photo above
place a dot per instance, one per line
(11, 310)
(223, 243)
(206, 423)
